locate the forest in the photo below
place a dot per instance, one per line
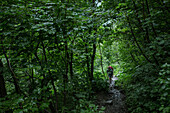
(54, 54)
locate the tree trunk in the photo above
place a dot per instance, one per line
(137, 53)
(94, 52)
(71, 64)
(52, 82)
(92, 60)
(17, 88)
(137, 42)
(65, 76)
(55, 93)
(133, 58)
(137, 16)
(3, 92)
(87, 60)
(147, 5)
(101, 58)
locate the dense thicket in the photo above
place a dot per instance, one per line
(142, 33)
(54, 53)
(47, 55)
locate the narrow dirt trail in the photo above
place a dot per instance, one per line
(113, 100)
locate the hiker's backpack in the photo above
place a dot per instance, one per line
(111, 67)
(110, 70)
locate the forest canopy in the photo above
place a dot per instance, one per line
(54, 54)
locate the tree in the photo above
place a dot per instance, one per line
(2, 82)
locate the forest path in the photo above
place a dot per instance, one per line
(113, 100)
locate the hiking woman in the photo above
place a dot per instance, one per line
(110, 73)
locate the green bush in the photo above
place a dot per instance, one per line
(147, 89)
(100, 84)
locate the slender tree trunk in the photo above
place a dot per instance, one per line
(137, 54)
(17, 88)
(147, 5)
(71, 64)
(32, 75)
(65, 77)
(65, 59)
(146, 29)
(87, 60)
(137, 16)
(133, 58)
(137, 42)
(71, 56)
(52, 81)
(3, 91)
(92, 61)
(101, 58)
(146, 38)
(40, 63)
(94, 52)
(164, 12)
(44, 82)
(55, 93)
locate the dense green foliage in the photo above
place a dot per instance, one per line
(143, 32)
(54, 53)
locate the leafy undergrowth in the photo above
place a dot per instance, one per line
(147, 89)
(79, 99)
(89, 106)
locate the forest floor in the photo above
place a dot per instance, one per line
(113, 100)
